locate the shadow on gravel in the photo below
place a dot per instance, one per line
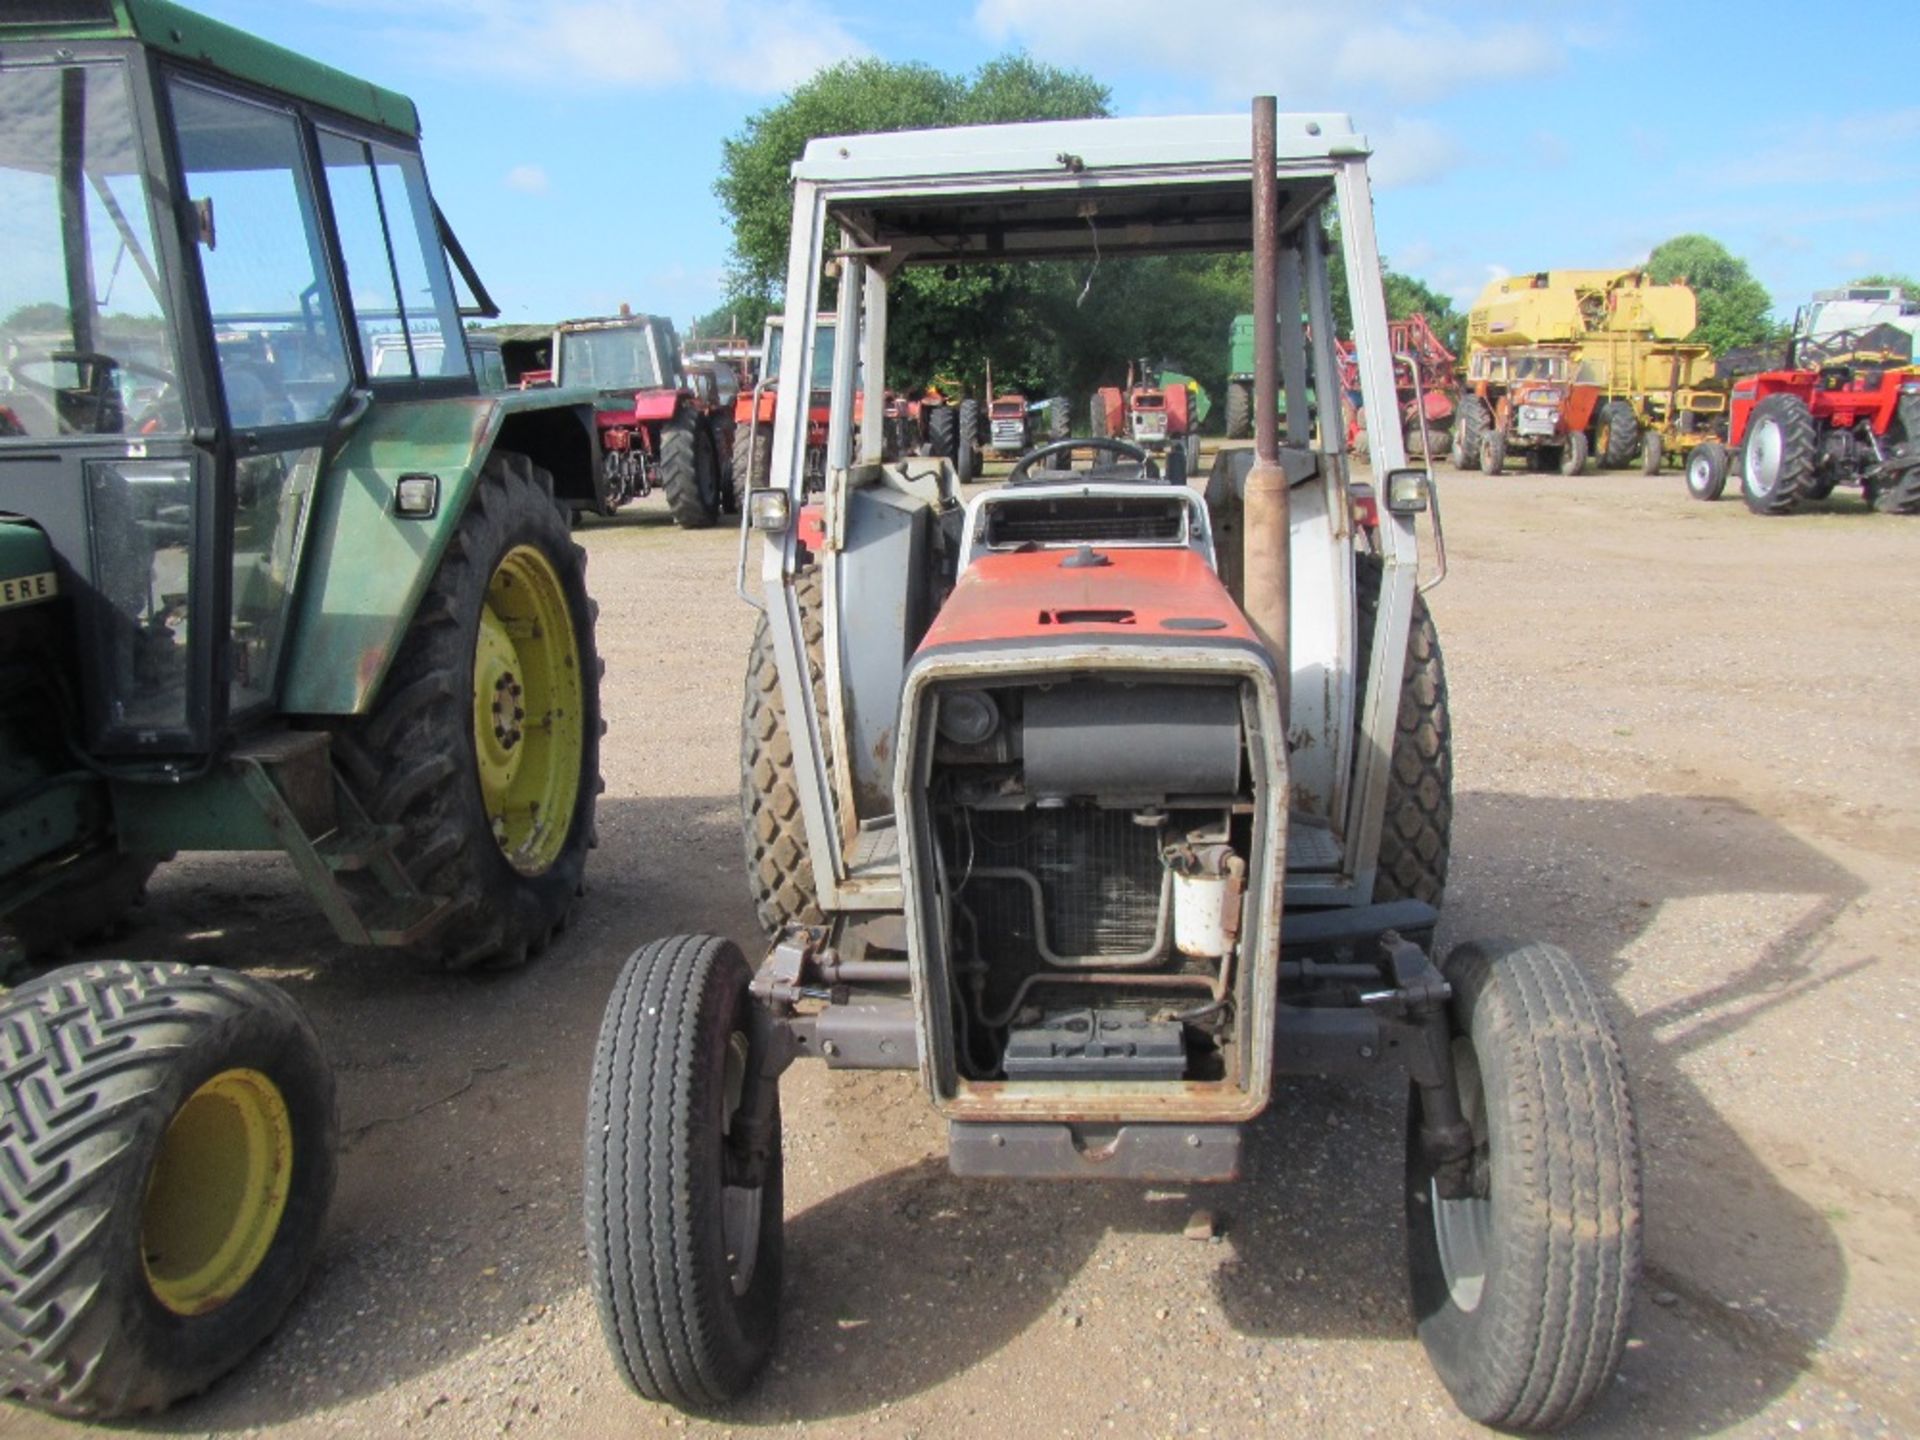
(1734, 1254)
(462, 1100)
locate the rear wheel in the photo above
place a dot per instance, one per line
(1707, 468)
(1493, 452)
(1416, 833)
(943, 432)
(1523, 1285)
(1573, 457)
(752, 459)
(166, 1158)
(1239, 409)
(1652, 451)
(779, 869)
(1059, 418)
(689, 471)
(1618, 435)
(685, 1233)
(1469, 428)
(967, 461)
(1776, 463)
(483, 745)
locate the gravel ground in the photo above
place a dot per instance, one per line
(1685, 749)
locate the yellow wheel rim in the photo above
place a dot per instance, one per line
(528, 710)
(217, 1192)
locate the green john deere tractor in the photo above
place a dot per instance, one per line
(275, 574)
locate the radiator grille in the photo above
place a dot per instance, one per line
(1099, 874)
(1150, 519)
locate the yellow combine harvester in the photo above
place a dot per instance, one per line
(1625, 380)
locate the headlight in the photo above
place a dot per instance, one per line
(768, 510)
(968, 717)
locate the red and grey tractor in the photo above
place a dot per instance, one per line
(754, 409)
(1105, 805)
(664, 425)
(277, 573)
(1011, 416)
(1155, 411)
(1530, 400)
(1845, 410)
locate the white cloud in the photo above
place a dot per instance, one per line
(1310, 54)
(758, 47)
(1412, 151)
(527, 179)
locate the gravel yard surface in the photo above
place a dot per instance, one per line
(1687, 749)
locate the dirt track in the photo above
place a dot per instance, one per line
(1686, 748)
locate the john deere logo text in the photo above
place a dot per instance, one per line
(26, 589)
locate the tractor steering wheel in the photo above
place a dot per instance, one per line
(100, 368)
(1145, 469)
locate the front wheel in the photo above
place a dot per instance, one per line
(166, 1158)
(685, 1231)
(1707, 469)
(1493, 452)
(1619, 435)
(1573, 458)
(1523, 1285)
(1652, 452)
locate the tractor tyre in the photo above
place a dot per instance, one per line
(1239, 409)
(1191, 445)
(943, 432)
(88, 903)
(1469, 428)
(689, 471)
(1707, 468)
(1493, 451)
(1618, 436)
(752, 460)
(1059, 418)
(722, 431)
(1653, 450)
(483, 745)
(1523, 1285)
(779, 869)
(1777, 458)
(1097, 426)
(967, 462)
(1417, 831)
(166, 1157)
(1900, 498)
(1573, 457)
(685, 1233)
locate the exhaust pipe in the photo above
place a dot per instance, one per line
(1266, 558)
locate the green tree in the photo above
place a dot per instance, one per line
(857, 97)
(1734, 307)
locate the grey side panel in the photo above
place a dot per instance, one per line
(881, 593)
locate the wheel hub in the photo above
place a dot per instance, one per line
(217, 1192)
(529, 710)
(1763, 457)
(1463, 1229)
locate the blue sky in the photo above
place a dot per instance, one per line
(573, 142)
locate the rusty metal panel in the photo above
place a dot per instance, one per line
(1163, 1154)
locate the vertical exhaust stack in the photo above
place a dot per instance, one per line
(1265, 539)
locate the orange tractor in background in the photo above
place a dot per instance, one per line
(1158, 410)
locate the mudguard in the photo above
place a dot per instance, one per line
(366, 567)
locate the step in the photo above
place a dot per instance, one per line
(402, 920)
(359, 848)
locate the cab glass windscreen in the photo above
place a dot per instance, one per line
(86, 344)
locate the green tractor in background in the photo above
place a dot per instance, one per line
(275, 574)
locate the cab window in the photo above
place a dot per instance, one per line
(276, 332)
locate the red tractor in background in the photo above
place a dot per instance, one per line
(1844, 410)
(1010, 420)
(664, 425)
(1160, 417)
(1426, 383)
(753, 411)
